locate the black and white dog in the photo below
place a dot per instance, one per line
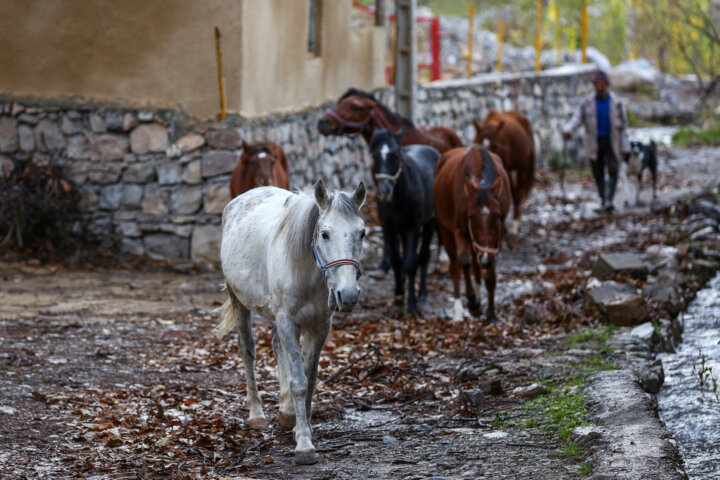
(642, 156)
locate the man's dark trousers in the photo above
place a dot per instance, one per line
(605, 156)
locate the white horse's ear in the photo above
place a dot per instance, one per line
(359, 194)
(321, 195)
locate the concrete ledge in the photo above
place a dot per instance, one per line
(630, 441)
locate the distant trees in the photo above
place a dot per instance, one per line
(678, 36)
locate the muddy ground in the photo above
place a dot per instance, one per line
(116, 373)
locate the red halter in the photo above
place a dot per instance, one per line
(347, 124)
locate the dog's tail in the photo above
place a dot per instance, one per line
(228, 314)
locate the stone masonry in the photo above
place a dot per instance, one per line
(157, 181)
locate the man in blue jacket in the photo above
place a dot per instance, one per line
(605, 120)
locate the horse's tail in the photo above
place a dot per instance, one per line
(227, 314)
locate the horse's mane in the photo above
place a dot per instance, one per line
(489, 175)
(388, 113)
(381, 135)
(301, 219)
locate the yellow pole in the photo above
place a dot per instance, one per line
(500, 36)
(471, 26)
(558, 33)
(584, 27)
(538, 36)
(221, 80)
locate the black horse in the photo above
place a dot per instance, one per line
(404, 178)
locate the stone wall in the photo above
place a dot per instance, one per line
(157, 181)
(547, 99)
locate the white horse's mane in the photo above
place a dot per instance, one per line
(301, 218)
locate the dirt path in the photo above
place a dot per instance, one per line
(116, 374)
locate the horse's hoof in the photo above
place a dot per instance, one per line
(258, 423)
(307, 457)
(475, 309)
(412, 309)
(286, 421)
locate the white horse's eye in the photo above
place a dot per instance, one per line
(325, 236)
(362, 234)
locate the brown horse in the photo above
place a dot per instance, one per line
(261, 164)
(472, 199)
(509, 135)
(359, 112)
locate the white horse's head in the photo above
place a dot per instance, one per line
(338, 244)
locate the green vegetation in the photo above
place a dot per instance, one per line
(587, 469)
(599, 334)
(656, 326)
(561, 410)
(686, 137)
(600, 362)
(678, 36)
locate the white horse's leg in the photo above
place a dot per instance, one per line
(246, 344)
(288, 334)
(286, 414)
(313, 342)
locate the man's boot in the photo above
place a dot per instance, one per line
(610, 193)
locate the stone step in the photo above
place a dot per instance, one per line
(624, 263)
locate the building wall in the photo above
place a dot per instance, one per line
(278, 74)
(157, 183)
(161, 54)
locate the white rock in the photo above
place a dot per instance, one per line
(495, 435)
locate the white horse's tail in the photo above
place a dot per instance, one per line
(228, 314)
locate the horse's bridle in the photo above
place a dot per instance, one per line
(345, 123)
(479, 248)
(393, 178)
(324, 267)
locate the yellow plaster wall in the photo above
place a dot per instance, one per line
(161, 53)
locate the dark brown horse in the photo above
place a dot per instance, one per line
(472, 199)
(509, 135)
(359, 112)
(261, 164)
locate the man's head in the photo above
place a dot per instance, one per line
(601, 83)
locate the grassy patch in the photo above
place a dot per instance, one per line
(587, 469)
(600, 362)
(560, 411)
(597, 334)
(687, 137)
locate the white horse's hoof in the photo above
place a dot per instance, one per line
(259, 423)
(458, 311)
(306, 457)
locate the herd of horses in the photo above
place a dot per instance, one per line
(279, 248)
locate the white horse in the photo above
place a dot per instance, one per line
(294, 259)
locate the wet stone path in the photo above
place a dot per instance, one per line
(116, 373)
